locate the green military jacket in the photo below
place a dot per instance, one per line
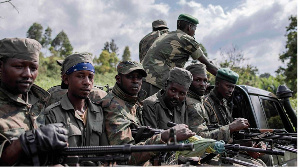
(91, 134)
(198, 119)
(121, 111)
(18, 116)
(56, 93)
(156, 114)
(147, 42)
(170, 50)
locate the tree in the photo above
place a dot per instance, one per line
(46, 40)
(61, 45)
(35, 32)
(126, 54)
(265, 75)
(234, 59)
(106, 46)
(113, 46)
(290, 55)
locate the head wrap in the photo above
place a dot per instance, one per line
(76, 62)
(20, 48)
(180, 76)
(197, 68)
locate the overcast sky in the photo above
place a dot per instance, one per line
(256, 27)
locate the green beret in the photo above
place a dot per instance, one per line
(159, 23)
(228, 75)
(188, 18)
(180, 76)
(197, 68)
(20, 48)
(75, 59)
(125, 67)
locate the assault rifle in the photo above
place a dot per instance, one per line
(115, 153)
(278, 138)
(234, 149)
(141, 133)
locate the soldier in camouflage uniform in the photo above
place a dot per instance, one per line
(23, 142)
(56, 92)
(82, 118)
(198, 117)
(168, 104)
(159, 27)
(122, 111)
(171, 50)
(219, 112)
(216, 103)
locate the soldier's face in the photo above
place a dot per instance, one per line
(130, 83)
(192, 30)
(199, 84)
(80, 83)
(225, 88)
(18, 75)
(175, 95)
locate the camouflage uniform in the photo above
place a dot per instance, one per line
(89, 134)
(198, 119)
(156, 114)
(57, 93)
(121, 111)
(159, 27)
(18, 116)
(148, 40)
(168, 51)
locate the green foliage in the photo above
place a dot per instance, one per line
(126, 54)
(290, 55)
(113, 46)
(35, 32)
(46, 40)
(106, 62)
(61, 45)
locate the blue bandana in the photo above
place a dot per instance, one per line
(80, 67)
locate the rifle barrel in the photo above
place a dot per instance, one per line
(237, 147)
(128, 148)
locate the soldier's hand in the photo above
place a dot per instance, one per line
(182, 133)
(46, 138)
(238, 124)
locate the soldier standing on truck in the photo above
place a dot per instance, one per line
(23, 142)
(122, 110)
(159, 27)
(173, 50)
(83, 118)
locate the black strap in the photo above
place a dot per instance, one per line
(30, 137)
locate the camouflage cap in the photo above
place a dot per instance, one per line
(159, 23)
(188, 18)
(125, 67)
(227, 75)
(74, 59)
(21, 48)
(180, 76)
(197, 68)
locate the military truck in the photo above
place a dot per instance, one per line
(266, 110)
